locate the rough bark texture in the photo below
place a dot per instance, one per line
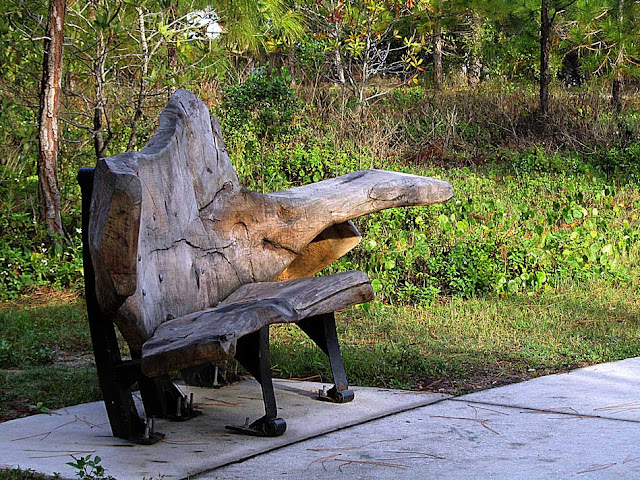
(49, 105)
(172, 232)
(474, 63)
(438, 75)
(545, 49)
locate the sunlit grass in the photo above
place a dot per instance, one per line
(454, 345)
(469, 341)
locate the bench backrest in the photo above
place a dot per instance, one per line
(155, 224)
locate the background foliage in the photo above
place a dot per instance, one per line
(307, 90)
(532, 268)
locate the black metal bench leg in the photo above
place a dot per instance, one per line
(123, 415)
(114, 375)
(163, 399)
(252, 351)
(322, 330)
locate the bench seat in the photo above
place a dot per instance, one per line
(212, 334)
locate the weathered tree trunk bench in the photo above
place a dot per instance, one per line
(192, 267)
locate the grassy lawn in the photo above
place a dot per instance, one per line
(45, 355)
(460, 346)
(453, 346)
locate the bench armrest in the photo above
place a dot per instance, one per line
(323, 210)
(114, 229)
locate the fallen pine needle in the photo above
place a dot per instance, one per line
(416, 453)
(336, 449)
(43, 435)
(59, 451)
(630, 405)
(481, 421)
(596, 468)
(216, 402)
(307, 379)
(371, 462)
(322, 460)
(475, 407)
(625, 407)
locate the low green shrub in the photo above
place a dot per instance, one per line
(502, 233)
(27, 262)
(522, 220)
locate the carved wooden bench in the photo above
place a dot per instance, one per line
(192, 267)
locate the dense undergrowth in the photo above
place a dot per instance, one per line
(538, 200)
(531, 268)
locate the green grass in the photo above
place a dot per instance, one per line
(36, 332)
(18, 474)
(454, 345)
(38, 389)
(525, 272)
(45, 355)
(463, 345)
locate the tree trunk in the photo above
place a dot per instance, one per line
(337, 59)
(438, 76)
(137, 114)
(50, 88)
(98, 139)
(99, 114)
(474, 63)
(616, 84)
(545, 48)
(616, 95)
(364, 77)
(172, 52)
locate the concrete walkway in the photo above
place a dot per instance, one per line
(584, 424)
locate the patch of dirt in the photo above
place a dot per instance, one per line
(433, 155)
(484, 381)
(74, 359)
(22, 407)
(17, 411)
(42, 297)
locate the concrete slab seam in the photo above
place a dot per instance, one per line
(344, 427)
(540, 410)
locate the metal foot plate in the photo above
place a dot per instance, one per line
(263, 427)
(336, 396)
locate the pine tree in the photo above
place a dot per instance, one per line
(49, 192)
(607, 37)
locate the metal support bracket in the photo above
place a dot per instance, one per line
(336, 396)
(322, 330)
(252, 351)
(263, 427)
